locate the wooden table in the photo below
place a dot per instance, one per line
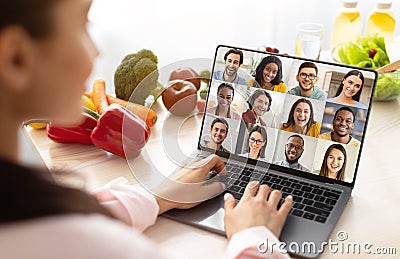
(372, 214)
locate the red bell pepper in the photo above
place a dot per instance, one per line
(78, 134)
(120, 132)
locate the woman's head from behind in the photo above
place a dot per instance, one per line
(45, 58)
(258, 140)
(334, 162)
(269, 71)
(351, 85)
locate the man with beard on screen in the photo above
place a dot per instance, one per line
(293, 150)
(218, 133)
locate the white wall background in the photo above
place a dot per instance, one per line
(177, 30)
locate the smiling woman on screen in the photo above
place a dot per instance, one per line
(350, 90)
(301, 119)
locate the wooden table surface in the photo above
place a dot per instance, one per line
(371, 216)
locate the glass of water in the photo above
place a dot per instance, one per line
(308, 40)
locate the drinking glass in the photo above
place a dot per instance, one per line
(308, 40)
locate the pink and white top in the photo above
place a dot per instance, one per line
(97, 236)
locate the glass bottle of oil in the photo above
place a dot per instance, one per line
(381, 21)
(348, 23)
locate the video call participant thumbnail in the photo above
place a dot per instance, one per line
(259, 103)
(301, 119)
(257, 143)
(233, 60)
(218, 133)
(294, 148)
(334, 163)
(269, 75)
(225, 94)
(350, 90)
(307, 77)
(343, 124)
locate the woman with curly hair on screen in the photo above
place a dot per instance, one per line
(269, 75)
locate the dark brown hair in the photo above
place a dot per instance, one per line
(324, 167)
(309, 65)
(32, 193)
(34, 16)
(234, 51)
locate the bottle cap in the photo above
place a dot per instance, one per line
(350, 3)
(384, 4)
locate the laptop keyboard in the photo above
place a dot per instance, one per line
(310, 201)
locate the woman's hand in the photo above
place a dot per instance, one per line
(187, 188)
(257, 207)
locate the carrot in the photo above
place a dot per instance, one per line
(88, 95)
(146, 114)
(99, 95)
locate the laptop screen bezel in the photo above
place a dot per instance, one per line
(281, 168)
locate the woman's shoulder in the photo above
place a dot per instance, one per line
(315, 129)
(286, 126)
(281, 88)
(79, 233)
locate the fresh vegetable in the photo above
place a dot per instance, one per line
(368, 52)
(180, 97)
(37, 125)
(204, 92)
(78, 134)
(187, 74)
(88, 103)
(115, 121)
(144, 113)
(201, 105)
(387, 86)
(205, 76)
(135, 69)
(99, 95)
(90, 112)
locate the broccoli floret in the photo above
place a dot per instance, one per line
(139, 69)
(145, 53)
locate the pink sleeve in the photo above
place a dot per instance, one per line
(255, 242)
(131, 204)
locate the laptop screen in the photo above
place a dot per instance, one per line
(309, 116)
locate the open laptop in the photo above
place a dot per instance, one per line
(317, 171)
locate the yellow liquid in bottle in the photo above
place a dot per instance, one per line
(347, 27)
(382, 23)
